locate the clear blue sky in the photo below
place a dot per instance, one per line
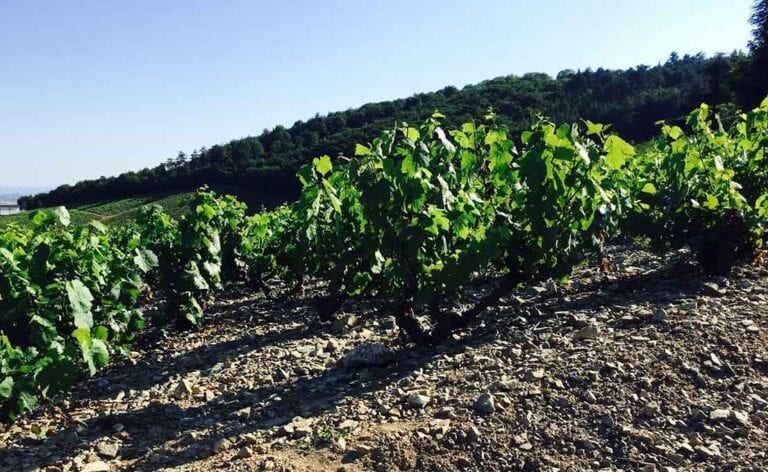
(91, 88)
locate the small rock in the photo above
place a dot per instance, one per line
(713, 290)
(606, 421)
(97, 466)
(719, 415)
(651, 409)
(520, 439)
(585, 444)
(347, 321)
(500, 386)
(659, 315)
(473, 434)
(577, 321)
(244, 452)
(588, 332)
(536, 374)
(332, 346)
(367, 355)
(363, 450)
(221, 445)
(740, 417)
(418, 401)
(707, 452)
(341, 444)
(388, 323)
(301, 431)
(348, 425)
(281, 375)
(108, 449)
(686, 448)
(183, 390)
(439, 428)
(485, 404)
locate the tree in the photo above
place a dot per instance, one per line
(751, 76)
(759, 21)
(181, 159)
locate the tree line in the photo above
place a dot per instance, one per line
(633, 100)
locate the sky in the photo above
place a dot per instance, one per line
(92, 88)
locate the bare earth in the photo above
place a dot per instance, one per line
(654, 367)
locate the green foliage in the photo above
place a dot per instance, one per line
(412, 218)
(420, 210)
(68, 298)
(704, 187)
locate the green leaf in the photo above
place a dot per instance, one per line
(494, 137)
(673, 132)
(305, 175)
(27, 401)
(83, 337)
(359, 282)
(439, 221)
(361, 150)
(213, 269)
(206, 210)
(617, 152)
(712, 202)
(330, 192)
(145, 260)
(98, 226)
(468, 161)
(594, 128)
(408, 167)
(323, 165)
(100, 332)
(80, 302)
(6, 387)
(8, 255)
(100, 352)
(62, 215)
(412, 134)
(649, 188)
(195, 277)
(191, 309)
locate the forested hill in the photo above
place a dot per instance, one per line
(631, 100)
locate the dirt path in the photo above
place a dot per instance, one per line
(657, 370)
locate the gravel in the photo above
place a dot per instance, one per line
(650, 367)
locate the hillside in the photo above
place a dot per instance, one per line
(125, 210)
(112, 212)
(651, 367)
(631, 100)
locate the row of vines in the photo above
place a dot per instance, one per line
(411, 219)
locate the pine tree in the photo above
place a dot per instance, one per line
(759, 21)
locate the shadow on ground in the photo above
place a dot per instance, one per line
(154, 431)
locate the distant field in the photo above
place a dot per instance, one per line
(119, 212)
(115, 212)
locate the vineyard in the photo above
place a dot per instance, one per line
(412, 220)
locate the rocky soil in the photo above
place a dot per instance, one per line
(652, 367)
